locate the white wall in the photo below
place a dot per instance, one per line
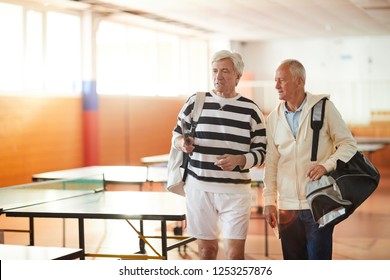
(354, 70)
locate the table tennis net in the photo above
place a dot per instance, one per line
(50, 190)
(88, 183)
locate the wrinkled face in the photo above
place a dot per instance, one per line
(224, 77)
(286, 85)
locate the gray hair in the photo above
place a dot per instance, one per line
(235, 58)
(296, 68)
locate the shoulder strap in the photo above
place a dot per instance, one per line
(317, 120)
(198, 106)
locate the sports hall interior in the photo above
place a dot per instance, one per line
(49, 123)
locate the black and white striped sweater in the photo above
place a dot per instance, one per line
(226, 126)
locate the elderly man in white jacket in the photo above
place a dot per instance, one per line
(288, 166)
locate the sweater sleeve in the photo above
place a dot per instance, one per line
(256, 155)
(339, 132)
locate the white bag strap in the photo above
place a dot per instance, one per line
(198, 106)
(195, 114)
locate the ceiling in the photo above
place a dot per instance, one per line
(259, 20)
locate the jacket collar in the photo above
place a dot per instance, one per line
(311, 100)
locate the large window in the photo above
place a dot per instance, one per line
(141, 58)
(63, 58)
(137, 61)
(112, 70)
(34, 74)
(40, 51)
(11, 47)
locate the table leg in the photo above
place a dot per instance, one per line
(81, 238)
(141, 242)
(164, 239)
(63, 232)
(31, 231)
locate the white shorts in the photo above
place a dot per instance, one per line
(208, 212)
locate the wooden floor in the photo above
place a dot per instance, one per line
(365, 235)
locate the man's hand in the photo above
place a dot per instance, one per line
(315, 172)
(271, 213)
(229, 162)
(185, 145)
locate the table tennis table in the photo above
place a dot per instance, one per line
(143, 174)
(86, 198)
(372, 140)
(369, 148)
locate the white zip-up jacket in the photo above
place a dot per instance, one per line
(289, 159)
